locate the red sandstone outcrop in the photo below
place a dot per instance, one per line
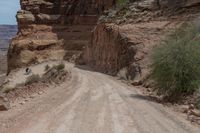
(53, 29)
(115, 47)
(60, 29)
(123, 40)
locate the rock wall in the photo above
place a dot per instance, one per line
(53, 30)
(124, 47)
(61, 29)
(109, 50)
(123, 40)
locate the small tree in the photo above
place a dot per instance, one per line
(47, 67)
(176, 63)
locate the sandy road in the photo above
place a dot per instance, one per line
(92, 102)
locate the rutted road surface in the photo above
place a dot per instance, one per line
(92, 102)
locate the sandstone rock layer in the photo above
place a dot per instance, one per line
(53, 30)
(123, 41)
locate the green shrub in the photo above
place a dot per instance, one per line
(32, 79)
(47, 67)
(176, 63)
(121, 3)
(60, 67)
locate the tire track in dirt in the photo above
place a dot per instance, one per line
(91, 102)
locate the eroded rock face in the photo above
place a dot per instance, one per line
(109, 49)
(115, 47)
(53, 29)
(124, 41)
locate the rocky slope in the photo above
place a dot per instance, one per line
(53, 30)
(123, 40)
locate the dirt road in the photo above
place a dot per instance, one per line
(92, 102)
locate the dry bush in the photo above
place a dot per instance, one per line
(35, 78)
(55, 75)
(47, 67)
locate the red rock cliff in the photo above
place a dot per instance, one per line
(123, 41)
(53, 29)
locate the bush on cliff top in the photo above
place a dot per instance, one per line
(121, 3)
(176, 63)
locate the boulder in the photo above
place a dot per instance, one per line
(25, 17)
(45, 18)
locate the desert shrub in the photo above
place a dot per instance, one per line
(54, 75)
(47, 67)
(35, 78)
(176, 63)
(60, 67)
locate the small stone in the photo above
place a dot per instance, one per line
(26, 100)
(195, 112)
(191, 106)
(40, 92)
(14, 106)
(5, 106)
(136, 82)
(32, 96)
(3, 124)
(23, 102)
(184, 108)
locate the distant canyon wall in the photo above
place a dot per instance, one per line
(7, 32)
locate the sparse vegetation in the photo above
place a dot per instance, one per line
(47, 67)
(176, 63)
(60, 67)
(32, 79)
(121, 3)
(54, 74)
